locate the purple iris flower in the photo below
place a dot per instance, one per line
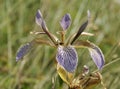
(66, 55)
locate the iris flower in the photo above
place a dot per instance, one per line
(66, 56)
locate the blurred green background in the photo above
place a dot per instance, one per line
(36, 71)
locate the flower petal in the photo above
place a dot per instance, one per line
(95, 52)
(65, 22)
(39, 18)
(81, 29)
(23, 50)
(97, 56)
(67, 57)
(40, 21)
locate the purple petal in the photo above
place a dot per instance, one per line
(65, 22)
(67, 57)
(39, 19)
(23, 50)
(97, 56)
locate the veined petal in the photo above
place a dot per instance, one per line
(67, 57)
(65, 22)
(95, 52)
(40, 21)
(39, 18)
(97, 56)
(23, 50)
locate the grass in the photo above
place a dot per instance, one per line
(37, 70)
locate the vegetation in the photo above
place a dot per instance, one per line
(37, 70)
